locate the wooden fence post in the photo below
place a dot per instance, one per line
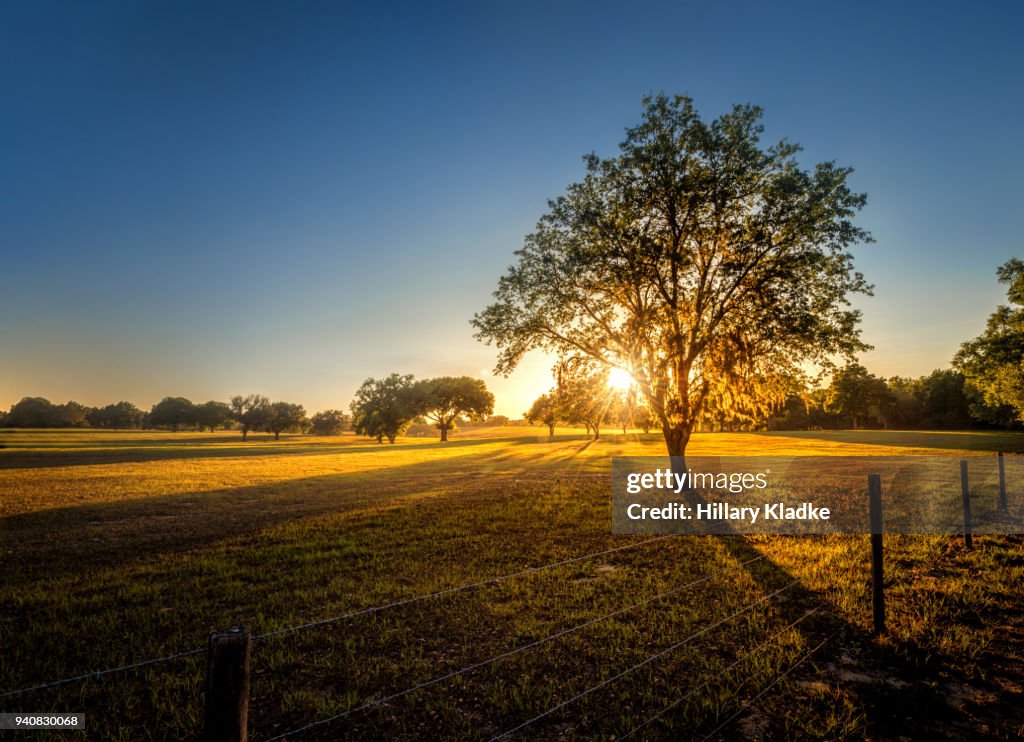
(965, 493)
(227, 686)
(877, 573)
(1002, 483)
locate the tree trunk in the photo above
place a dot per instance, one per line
(854, 421)
(380, 438)
(391, 438)
(676, 439)
(551, 430)
(444, 432)
(277, 435)
(597, 430)
(245, 432)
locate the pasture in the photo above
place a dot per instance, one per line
(119, 547)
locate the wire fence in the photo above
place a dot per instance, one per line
(554, 709)
(96, 674)
(386, 699)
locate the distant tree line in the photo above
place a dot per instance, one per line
(249, 413)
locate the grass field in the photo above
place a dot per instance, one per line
(118, 547)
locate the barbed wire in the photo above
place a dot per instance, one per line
(649, 660)
(740, 660)
(771, 685)
(101, 673)
(483, 663)
(450, 590)
(95, 674)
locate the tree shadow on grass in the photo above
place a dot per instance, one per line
(902, 695)
(1007, 441)
(14, 459)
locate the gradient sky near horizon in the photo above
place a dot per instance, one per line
(205, 198)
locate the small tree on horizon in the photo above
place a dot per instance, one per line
(584, 395)
(285, 417)
(173, 412)
(122, 415)
(250, 412)
(545, 409)
(212, 415)
(444, 399)
(328, 422)
(385, 408)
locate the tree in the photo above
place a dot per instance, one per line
(444, 399)
(283, 417)
(328, 422)
(172, 412)
(545, 409)
(213, 415)
(993, 362)
(34, 412)
(707, 267)
(71, 414)
(857, 394)
(943, 399)
(250, 412)
(117, 416)
(642, 418)
(584, 395)
(386, 407)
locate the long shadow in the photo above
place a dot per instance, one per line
(14, 459)
(1007, 441)
(921, 704)
(104, 534)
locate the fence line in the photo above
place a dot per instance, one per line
(450, 590)
(649, 660)
(496, 658)
(771, 685)
(741, 659)
(95, 674)
(101, 673)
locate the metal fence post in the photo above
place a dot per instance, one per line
(965, 493)
(877, 573)
(1002, 483)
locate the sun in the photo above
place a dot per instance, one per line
(619, 379)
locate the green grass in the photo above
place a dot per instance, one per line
(122, 546)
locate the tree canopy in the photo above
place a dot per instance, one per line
(172, 412)
(328, 422)
(284, 417)
(250, 412)
(856, 394)
(710, 268)
(385, 408)
(545, 409)
(116, 416)
(444, 399)
(993, 362)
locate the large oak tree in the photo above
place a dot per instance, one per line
(714, 270)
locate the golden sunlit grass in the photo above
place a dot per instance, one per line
(123, 546)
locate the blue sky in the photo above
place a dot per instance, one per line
(204, 198)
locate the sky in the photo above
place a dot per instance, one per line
(203, 199)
